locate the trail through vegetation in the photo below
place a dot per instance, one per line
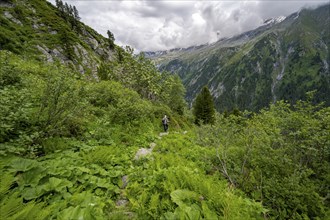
(68, 150)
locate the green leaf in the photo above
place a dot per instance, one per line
(32, 177)
(59, 184)
(84, 169)
(23, 165)
(33, 192)
(182, 196)
(192, 212)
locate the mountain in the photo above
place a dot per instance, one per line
(282, 59)
(38, 29)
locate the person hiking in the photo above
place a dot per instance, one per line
(165, 123)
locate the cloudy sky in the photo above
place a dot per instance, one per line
(150, 25)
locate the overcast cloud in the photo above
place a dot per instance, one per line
(160, 25)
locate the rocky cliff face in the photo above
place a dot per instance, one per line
(282, 59)
(37, 28)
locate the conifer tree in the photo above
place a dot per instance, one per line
(60, 5)
(204, 107)
(76, 13)
(111, 38)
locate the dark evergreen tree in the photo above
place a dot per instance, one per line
(66, 39)
(66, 8)
(204, 107)
(60, 5)
(76, 13)
(111, 39)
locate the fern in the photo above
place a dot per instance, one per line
(33, 210)
(6, 182)
(10, 205)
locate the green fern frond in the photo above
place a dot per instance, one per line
(6, 182)
(10, 205)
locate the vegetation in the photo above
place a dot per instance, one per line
(141, 75)
(40, 30)
(204, 110)
(68, 145)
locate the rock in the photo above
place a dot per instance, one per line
(142, 153)
(163, 134)
(33, 10)
(11, 18)
(81, 69)
(152, 145)
(82, 53)
(53, 32)
(124, 179)
(93, 43)
(6, 5)
(56, 53)
(35, 26)
(45, 52)
(121, 202)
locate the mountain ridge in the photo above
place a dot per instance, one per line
(277, 61)
(267, 22)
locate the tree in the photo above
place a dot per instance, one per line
(176, 95)
(111, 39)
(204, 110)
(76, 13)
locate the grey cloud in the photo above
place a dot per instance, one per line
(236, 15)
(160, 25)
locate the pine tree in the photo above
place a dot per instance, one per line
(204, 107)
(60, 5)
(76, 13)
(111, 38)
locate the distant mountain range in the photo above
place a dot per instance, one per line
(282, 59)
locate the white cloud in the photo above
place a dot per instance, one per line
(160, 25)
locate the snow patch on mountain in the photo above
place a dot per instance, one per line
(274, 20)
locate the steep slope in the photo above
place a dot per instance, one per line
(276, 61)
(37, 28)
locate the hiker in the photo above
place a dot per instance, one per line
(165, 123)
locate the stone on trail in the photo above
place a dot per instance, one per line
(142, 152)
(163, 134)
(124, 180)
(121, 202)
(152, 145)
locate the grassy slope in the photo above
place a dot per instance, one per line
(38, 23)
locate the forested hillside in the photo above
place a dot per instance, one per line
(273, 62)
(75, 145)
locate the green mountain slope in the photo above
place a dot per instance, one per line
(276, 61)
(36, 28)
